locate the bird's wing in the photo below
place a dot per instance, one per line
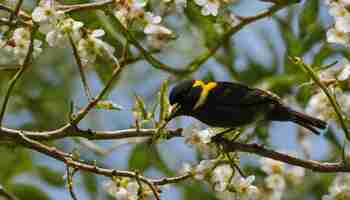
(228, 93)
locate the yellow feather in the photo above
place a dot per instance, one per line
(206, 88)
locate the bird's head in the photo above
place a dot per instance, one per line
(187, 96)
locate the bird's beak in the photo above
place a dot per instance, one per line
(174, 111)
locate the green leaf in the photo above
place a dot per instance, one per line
(14, 162)
(320, 185)
(322, 55)
(315, 34)
(255, 71)
(139, 158)
(143, 156)
(90, 183)
(108, 105)
(227, 57)
(196, 191)
(205, 23)
(24, 191)
(140, 107)
(308, 16)
(163, 101)
(103, 70)
(292, 42)
(281, 83)
(50, 176)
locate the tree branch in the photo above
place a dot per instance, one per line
(230, 146)
(69, 131)
(70, 161)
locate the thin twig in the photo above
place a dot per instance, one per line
(6, 194)
(152, 186)
(17, 9)
(16, 77)
(22, 14)
(80, 68)
(198, 61)
(10, 68)
(83, 112)
(5, 8)
(70, 175)
(330, 97)
(234, 165)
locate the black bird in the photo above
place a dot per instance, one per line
(229, 105)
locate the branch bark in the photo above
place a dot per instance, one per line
(231, 146)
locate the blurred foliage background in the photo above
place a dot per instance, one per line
(257, 55)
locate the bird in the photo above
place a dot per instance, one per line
(232, 104)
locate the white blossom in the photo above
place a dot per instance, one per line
(319, 105)
(58, 35)
(195, 137)
(340, 32)
(337, 10)
(275, 182)
(46, 15)
(200, 139)
(153, 25)
(132, 188)
(295, 174)
(337, 36)
(345, 72)
(243, 188)
(127, 191)
(203, 168)
(221, 176)
(240, 189)
(209, 7)
(122, 15)
(55, 24)
(92, 46)
(339, 189)
(127, 10)
(20, 44)
(271, 166)
(121, 194)
(343, 23)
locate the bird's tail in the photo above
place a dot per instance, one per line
(310, 123)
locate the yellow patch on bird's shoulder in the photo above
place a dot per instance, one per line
(206, 88)
(198, 83)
